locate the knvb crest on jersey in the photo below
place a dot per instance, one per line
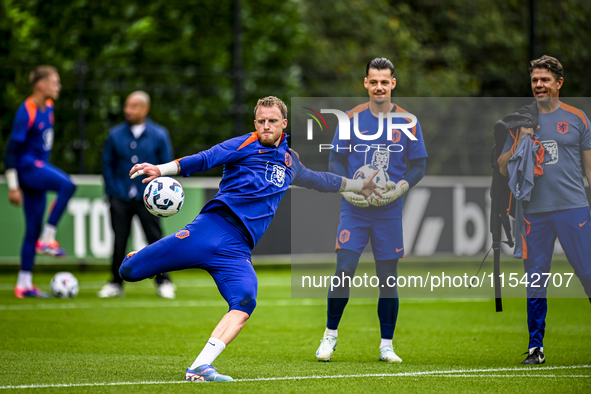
(379, 159)
(48, 139)
(551, 148)
(275, 174)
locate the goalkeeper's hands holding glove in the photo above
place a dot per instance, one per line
(356, 191)
(393, 192)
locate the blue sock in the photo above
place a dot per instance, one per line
(388, 303)
(338, 297)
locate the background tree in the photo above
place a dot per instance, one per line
(181, 54)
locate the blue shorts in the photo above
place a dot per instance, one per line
(573, 228)
(386, 236)
(209, 243)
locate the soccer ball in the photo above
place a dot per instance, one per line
(64, 285)
(164, 197)
(366, 171)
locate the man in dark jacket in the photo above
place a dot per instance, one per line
(137, 140)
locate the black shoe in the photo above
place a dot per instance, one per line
(536, 356)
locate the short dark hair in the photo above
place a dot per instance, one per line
(549, 63)
(271, 101)
(380, 63)
(41, 72)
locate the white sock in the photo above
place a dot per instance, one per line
(531, 349)
(48, 233)
(385, 342)
(333, 333)
(25, 279)
(212, 349)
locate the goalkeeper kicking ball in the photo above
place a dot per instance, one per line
(164, 197)
(64, 285)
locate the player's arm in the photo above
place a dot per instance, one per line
(337, 163)
(16, 143)
(227, 152)
(330, 183)
(503, 160)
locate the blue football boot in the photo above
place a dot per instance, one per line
(206, 373)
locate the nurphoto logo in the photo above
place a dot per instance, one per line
(393, 129)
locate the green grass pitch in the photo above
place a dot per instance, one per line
(141, 343)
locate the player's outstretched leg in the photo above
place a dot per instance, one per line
(227, 329)
(338, 298)
(172, 253)
(238, 284)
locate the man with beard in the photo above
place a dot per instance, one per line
(258, 169)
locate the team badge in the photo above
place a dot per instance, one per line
(182, 234)
(562, 127)
(344, 236)
(275, 174)
(551, 148)
(48, 139)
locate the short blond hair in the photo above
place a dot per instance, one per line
(271, 101)
(41, 72)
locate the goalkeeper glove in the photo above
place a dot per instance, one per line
(393, 192)
(355, 199)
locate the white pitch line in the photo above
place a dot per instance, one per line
(65, 304)
(449, 373)
(509, 376)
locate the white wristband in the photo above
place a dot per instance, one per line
(11, 179)
(171, 168)
(353, 185)
(403, 185)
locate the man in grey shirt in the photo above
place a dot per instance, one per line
(558, 206)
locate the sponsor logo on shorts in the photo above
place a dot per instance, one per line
(182, 234)
(562, 127)
(582, 224)
(344, 236)
(399, 250)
